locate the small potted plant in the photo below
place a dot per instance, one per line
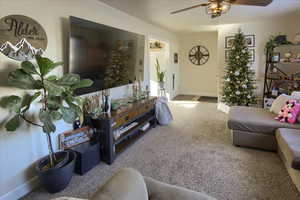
(160, 75)
(57, 102)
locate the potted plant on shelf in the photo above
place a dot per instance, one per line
(55, 95)
(160, 75)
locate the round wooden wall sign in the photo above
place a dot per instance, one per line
(21, 37)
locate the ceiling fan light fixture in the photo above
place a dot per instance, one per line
(218, 8)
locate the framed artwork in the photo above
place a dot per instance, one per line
(229, 42)
(75, 137)
(250, 40)
(252, 55)
(227, 55)
(175, 58)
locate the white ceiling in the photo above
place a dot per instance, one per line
(158, 12)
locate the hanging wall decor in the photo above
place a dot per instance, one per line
(21, 37)
(199, 55)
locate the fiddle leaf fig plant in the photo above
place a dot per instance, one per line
(55, 94)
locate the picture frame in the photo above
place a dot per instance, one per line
(227, 51)
(75, 137)
(229, 42)
(176, 58)
(250, 40)
(252, 55)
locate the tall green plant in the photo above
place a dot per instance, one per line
(160, 74)
(54, 94)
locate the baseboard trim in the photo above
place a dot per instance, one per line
(21, 190)
(198, 94)
(223, 107)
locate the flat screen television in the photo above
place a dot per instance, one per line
(109, 56)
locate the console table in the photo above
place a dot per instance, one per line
(131, 122)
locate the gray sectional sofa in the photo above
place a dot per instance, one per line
(257, 128)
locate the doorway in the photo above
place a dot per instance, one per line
(160, 51)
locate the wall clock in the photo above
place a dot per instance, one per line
(199, 55)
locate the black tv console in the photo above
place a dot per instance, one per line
(118, 130)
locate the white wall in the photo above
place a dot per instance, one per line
(262, 31)
(19, 150)
(194, 79)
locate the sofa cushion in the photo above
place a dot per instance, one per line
(279, 102)
(162, 191)
(256, 120)
(127, 184)
(289, 144)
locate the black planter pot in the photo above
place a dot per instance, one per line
(56, 179)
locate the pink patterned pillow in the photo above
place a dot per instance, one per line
(289, 112)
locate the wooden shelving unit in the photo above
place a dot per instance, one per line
(141, 112)
(281, 76)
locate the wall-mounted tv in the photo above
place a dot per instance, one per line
(109, 56)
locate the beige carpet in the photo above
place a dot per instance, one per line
(194, 152)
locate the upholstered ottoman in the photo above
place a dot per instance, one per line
(255, 127)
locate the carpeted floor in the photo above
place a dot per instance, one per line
(195, 152)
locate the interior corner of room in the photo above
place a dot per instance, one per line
(149, 63)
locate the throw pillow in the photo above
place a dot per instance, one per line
(289, 112)
(279, 102)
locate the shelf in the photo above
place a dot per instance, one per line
(126, 143)
(133, 130)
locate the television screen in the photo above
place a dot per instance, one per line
(109, 56)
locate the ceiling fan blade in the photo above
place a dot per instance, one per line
(252, 2)
(196, 6)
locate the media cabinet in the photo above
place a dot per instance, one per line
(132, 122)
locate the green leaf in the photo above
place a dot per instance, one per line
(45, 117)
(53, 88)
(13, 103)
(68, 114)
(45, 64)
(13, 123)
(69, 79)
(55, 115)
(76, 108)
(52, 78)
(19, 78)
(43, 114)
(28, 99)
(83, 83)
(54, 102)
(28, 67)
(49, 127)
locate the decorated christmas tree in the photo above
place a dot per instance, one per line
(117, 73)
(238, 87)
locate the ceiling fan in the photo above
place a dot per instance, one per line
(216, 8)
